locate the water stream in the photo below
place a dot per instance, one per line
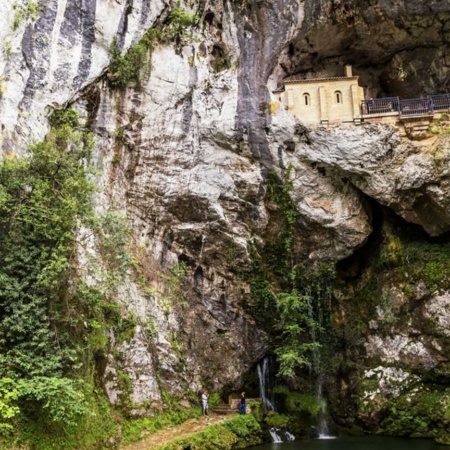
(263, 370)
(276, 438)
(322, 424)
(279, 436)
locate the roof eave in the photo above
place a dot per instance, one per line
(316, 80)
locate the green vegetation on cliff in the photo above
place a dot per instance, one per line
(280, 281)
(128, 68)
(388, 286)
(50, 321)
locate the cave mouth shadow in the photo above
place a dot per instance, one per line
(352, 267)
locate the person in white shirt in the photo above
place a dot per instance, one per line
(205, 403)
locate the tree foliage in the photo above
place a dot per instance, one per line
(42, 199)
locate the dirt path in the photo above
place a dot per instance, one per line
(177, 431)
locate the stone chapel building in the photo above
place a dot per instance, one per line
(323, 100)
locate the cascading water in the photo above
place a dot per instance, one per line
(275, 436)
(322, 425)
(263, 369)
(289, 436)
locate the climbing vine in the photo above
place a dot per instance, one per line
(279, 282)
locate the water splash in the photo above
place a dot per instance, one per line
(289, 436)
(276, 439)
(326, 437)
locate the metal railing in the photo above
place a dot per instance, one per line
(380, 105)
(441, 102)
(409, 107)
(416, 106)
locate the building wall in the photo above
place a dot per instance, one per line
(323, 106)
(296, 104)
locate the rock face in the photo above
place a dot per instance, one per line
(185, 153)
(390, 43)
(410, 178)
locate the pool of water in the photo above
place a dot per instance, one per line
(354, 443)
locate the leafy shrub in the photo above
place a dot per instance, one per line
(276, 420)
(32, 10)
(126, 68)
(8, 403)
(60, 398)
(63, 117)
(42, 199)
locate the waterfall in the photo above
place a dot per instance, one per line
(263, 370)
(322, 425)
(289, 436)
(275, 436)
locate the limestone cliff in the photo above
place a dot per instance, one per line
(185, 153)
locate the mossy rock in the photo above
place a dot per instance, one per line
(277, 420)
(356, 431)
(299, 404)
(443, 438)
(257, 409)
(414, 413)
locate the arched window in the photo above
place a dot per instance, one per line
(306, 99)
(338, 96)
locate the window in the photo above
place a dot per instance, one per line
(338, 96)
(306, 99)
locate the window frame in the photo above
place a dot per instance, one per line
(306, 99)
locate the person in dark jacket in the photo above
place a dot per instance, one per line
(242, 404)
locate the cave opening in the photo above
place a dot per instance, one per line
(352, 267)
(393, 57)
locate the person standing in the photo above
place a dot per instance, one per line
(242, 404)
(205, 403)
